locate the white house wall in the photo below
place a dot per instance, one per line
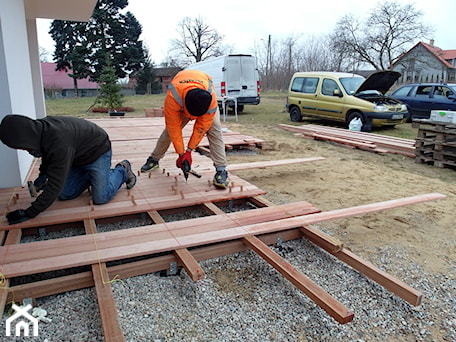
(21, 90)
(16, 82)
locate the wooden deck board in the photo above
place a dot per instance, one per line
(166, 189)
(168, 239)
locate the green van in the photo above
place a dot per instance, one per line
(343, 97)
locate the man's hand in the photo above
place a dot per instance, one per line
(17, 216)
(187, 156)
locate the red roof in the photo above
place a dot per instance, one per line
(53, 79)
(439, 53)
(449, 54)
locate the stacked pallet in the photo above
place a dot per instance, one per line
(436, 143)
(364, 141)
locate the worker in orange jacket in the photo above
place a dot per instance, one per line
(191, 96)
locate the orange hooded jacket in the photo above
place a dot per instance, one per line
(174, 108)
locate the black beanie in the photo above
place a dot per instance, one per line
(197, 101)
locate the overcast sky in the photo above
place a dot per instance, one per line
(246, 23)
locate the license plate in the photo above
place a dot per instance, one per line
(397, 116)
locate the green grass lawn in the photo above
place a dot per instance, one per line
(270, 112)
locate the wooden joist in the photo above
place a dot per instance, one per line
(108, 312)
(323, 299)
(13, 238)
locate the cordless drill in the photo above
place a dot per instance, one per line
(186, 168)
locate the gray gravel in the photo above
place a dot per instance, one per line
(242, 298)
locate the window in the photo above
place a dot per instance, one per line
(402, 91)
(305, 84)
(328, 87)
(423, 91)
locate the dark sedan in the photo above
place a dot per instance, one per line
(421, 98)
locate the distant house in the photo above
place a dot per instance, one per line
(165, 75)
(57, 84)
(426, 63)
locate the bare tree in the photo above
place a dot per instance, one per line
(198, 41)
(388, 32)
(44, 54)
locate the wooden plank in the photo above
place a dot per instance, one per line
(322, 239)
(191, 266)
(79, 256)
(185, 258)
(118, 238)
(384, 279)
(384, 143)
(112, 330)
(81, 280)
(13, 237)
(270, 163)
(109, 317)
(323, 299)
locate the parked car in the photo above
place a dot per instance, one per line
(343, 97)
(423, 97)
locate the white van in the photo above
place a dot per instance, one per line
(235, 77)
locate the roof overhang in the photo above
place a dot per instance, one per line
(80, 10)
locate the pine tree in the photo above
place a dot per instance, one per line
(108, 34)
(110, 91)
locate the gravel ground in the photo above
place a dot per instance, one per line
(242, 298)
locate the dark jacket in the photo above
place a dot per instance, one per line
(62, 142)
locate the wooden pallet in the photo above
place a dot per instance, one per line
(435, 143)
(140, 250)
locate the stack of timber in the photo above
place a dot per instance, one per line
(436, 143)
(91, 259)
(361, 140)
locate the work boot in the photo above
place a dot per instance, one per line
(221, 179)
(151, 164)
(131, 177)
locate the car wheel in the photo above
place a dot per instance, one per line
(295, 114)
(354, 115)
(240, 108)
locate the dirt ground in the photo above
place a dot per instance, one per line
(351, 177)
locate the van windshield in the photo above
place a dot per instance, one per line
(351, 84)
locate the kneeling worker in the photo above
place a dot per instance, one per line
(75, 154)
(191, 96)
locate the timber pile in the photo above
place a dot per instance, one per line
(435, 143)
(361, 140)
(92, 259)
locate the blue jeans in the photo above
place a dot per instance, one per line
(104, 181)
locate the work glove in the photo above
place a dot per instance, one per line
(17, 216)
(185, 157)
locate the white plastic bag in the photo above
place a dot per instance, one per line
(355, 125)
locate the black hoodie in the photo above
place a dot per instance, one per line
(62, 142)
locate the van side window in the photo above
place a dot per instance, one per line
(305, 84)
(328, 87)
(297, 84)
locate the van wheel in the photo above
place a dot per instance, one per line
(240, 108)
(295, 114)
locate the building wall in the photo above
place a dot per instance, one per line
(420, 65)
(16, 85)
